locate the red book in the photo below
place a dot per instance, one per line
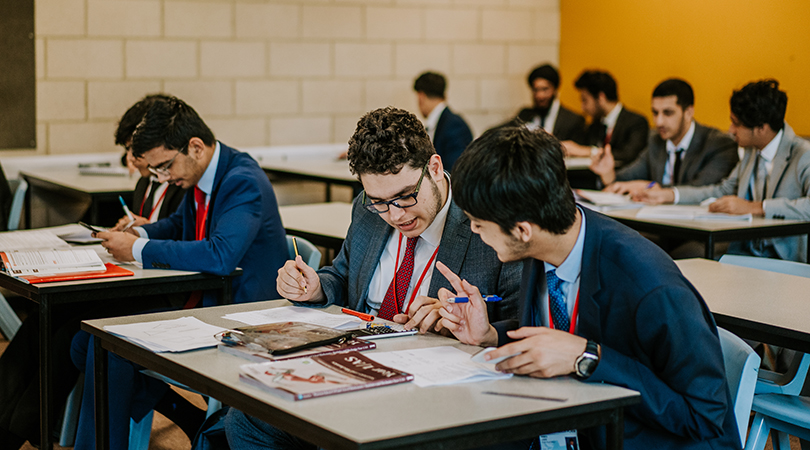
(112, 271)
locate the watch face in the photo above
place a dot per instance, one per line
(586, 365)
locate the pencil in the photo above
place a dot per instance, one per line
(295, 247)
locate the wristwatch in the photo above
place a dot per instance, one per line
(586, 362)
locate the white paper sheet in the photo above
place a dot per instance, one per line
(689, 212)
(30, 240)
(177, 335)
(436, 366)
(297, 314)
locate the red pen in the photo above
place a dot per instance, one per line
(363, 316)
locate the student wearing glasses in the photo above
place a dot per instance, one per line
(404, 222)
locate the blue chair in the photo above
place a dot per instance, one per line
(308, 251)
(742, 367)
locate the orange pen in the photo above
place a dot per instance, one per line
(363, 316)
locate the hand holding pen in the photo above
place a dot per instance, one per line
(298, 282)
(128, 213)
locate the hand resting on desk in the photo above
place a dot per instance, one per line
(298, 282)
(731, 204)
(118, 244)
(423, 313)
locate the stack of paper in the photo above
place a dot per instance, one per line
(30, 240)
(438, 366)
(687, 212)
(605, 201)
(297, 314)
(51, 262)
(178, 335)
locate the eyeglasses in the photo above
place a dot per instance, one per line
(163, 169)
(406, 201)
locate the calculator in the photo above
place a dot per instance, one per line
(382, 331)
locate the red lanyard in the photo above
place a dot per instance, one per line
(422, 277)
(574, 315)
(154, 205)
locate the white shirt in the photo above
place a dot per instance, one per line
(551, 119)
(157, 199)
(672, 153)
(425, 247)
(769, 151)
(432, 119)
(610, 119)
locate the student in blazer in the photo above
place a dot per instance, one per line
(448, 131)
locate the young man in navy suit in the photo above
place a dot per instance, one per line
(448, 131)
(598, 301)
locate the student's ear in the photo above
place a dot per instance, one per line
(196, 148)
(522, 231)
(436, 168)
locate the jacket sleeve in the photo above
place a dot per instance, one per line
(796, 208)
(720, 160)
(637, 134)
(639, 169)
(682, 392)
(236, 222)
(728, 186)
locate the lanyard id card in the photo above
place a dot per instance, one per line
(564, 440)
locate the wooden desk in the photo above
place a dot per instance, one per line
(324, 224)
(143, 283)
(67, 183)
(323, 168)
(402, 416)
(754, 304)
(711, 232)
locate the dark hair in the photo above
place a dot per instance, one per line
(596, 81)
(387, 139)
(677, 87)
(133, 116)
(431, 83)
(760, 102)
(546, 72)
(511, 174)
(170, 123)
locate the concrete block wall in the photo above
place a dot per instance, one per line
(279, 72)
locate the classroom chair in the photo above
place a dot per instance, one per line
(742, 367)
(308, 251)
(9, 322)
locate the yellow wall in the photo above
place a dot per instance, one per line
(716, 45)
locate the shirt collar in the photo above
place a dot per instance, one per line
(433, 233)
(206, 183)
(610, 119)
(570, 269)
(685, 142)
(769, 151)
(433, 118)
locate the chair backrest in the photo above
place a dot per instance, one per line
(308, 251)
(16, 203)
(771, 265)
(742, 367)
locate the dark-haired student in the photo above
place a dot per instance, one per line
(598, 301)
(404, 222)
(448, 131)
(229, 219)
(611, 123)
(679, 152)
(546, 111)
(772, 180)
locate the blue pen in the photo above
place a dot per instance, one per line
(487, 298)
(126, 208)
(652, 183)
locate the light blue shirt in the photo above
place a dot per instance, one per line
(206, 184)
(569, 273)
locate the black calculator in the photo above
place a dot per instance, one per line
(382, 331)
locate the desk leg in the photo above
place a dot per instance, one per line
(709, 248)
(226, 295)
(328, 192)
(101, 401)
(615, 430)
(45, 370)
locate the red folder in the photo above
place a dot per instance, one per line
(112, 271)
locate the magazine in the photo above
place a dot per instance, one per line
(281, 338)
(318, 376)
(256, 353)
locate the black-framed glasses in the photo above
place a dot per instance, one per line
(163, 169)
(406, 201)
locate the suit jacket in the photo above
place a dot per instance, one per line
(628, 139)
(452, 136)
(243, 229)
(171, 201)
(649, 321)
(568, 126)
(710, 157)
(786, 196)
(346, 281)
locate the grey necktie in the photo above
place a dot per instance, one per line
(760, 179)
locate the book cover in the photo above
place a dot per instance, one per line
(281, 338)
(319, 376)
(51, 262)
(259, 354)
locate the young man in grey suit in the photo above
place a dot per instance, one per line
(404, 223)
(772, 180)
(679, 152)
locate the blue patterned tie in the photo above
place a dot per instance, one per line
(559, 311)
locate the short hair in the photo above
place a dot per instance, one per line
(760, 102)
(170, 123)
(677, 87)
(133, 116)
(386, 139)
(431, 83)
(546, 72)
(596, 81)
(512, 174)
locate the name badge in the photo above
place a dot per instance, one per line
(564, 440)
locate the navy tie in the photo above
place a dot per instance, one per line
(559, 311)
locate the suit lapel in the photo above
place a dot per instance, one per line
(749, 157)
(452, 247)
(692, 157)
(659, 159)
(589, 324)
(377, 231)
(780, 161)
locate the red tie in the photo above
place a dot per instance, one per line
(398, 289)
(199, 233)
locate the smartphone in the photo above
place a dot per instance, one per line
(90, 227)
